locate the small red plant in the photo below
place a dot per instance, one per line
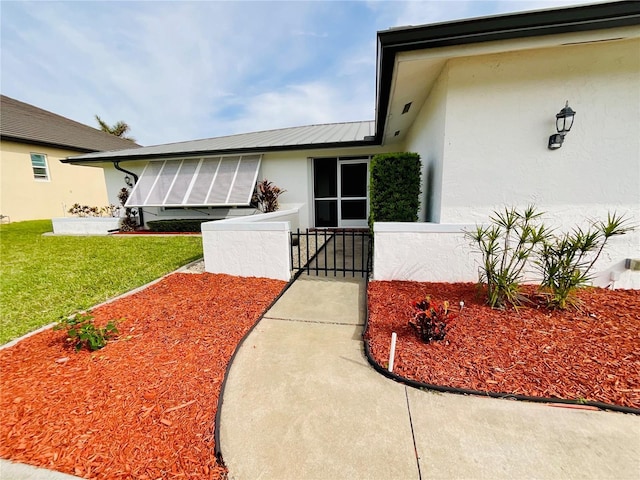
(430, 319)
(266, 196)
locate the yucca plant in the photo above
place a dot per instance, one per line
(506, 246)
(566, 260)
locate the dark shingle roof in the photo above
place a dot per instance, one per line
(20, 121)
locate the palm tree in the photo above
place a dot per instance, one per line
(119, 129)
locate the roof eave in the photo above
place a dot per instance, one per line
(486, 29)
(230, 151)
(12, 138)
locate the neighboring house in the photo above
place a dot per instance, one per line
(476, 98)
(34, 184)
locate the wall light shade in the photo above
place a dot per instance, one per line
(564, 122)
(564, 119)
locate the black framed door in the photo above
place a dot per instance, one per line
(341, 187)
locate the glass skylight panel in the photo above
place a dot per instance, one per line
(210, 181)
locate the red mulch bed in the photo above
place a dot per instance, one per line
(593, 354)
(144, 406)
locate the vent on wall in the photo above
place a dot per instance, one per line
(210, 181)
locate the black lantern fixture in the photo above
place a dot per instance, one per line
(564, 122)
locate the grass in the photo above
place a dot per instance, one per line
(43, 278)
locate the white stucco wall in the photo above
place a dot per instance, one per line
(115, 179)
(256, 246)
(85, 226)
(427, 137)
(496, 113)
(431, 252)
(501, 110)
(291, 171)
(422, 252)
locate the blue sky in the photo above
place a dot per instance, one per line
(179, 71)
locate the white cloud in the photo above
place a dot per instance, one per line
(165, 68)
(185, 70)
(303, 104)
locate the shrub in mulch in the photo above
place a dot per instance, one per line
(142, 407)
(592, 354)
(177, 225)
(430, 319)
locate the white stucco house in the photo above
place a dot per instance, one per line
(477, 99)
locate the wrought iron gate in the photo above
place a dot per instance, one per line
(325, 251)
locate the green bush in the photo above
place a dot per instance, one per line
(395, 187)
(83, 333)
(179, 225)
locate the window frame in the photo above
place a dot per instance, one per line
(38, 177)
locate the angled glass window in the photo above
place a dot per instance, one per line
(39, 166)
(210, 181)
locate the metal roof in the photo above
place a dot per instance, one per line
(294, 138)
(391, 43)
(22, 122)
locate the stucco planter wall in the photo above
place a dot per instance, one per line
(252, 246)
(85, 226)
(423, 252)
(432, 252)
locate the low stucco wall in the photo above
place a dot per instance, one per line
(422, 252)
(430, 252)
(85, 226)
(252, 246)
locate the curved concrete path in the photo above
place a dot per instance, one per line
(19, 471)
(301, 402)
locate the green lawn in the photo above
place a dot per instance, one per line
(45, 277)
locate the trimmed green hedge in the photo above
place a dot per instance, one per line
(178, 225)
(395, 187)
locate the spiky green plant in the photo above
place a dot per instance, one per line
(506, 246)
(566, 260)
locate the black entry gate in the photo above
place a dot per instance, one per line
(326, 251)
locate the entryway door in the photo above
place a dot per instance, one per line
(341, 192)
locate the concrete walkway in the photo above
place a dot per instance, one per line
(301, 402)
(19, 471)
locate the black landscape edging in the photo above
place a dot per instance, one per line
(465, 391)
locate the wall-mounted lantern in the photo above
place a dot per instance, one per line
(564, 122)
